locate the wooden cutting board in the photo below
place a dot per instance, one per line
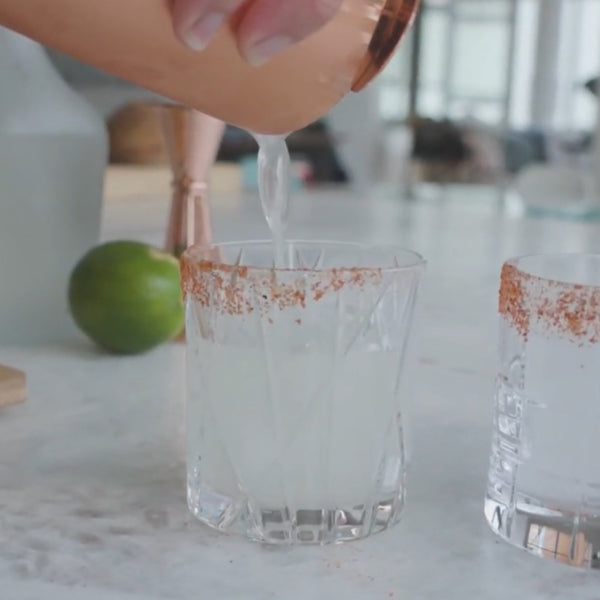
(12, 386)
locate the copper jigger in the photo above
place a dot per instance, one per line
(192, 141)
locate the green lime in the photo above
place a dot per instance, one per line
(126, 296)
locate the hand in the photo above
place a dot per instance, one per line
(266, 27)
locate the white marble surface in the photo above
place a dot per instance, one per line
(92, 482)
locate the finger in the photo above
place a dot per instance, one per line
(196, 22)
(270, 26)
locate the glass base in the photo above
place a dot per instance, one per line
(301, 526)
(572, 539)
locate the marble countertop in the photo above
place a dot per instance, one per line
(92, 499)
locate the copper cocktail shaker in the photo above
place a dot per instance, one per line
(134, 40)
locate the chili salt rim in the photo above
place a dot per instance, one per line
(238, 289)
(569, 310)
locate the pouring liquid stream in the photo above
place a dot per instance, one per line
(274, 189)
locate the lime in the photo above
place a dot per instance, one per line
(126, 296)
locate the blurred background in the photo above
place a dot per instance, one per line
(479, 91)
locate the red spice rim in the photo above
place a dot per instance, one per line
(194, 256)
(516, 261)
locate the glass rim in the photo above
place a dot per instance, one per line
(193, 256)
(563, 308)
(515, 262)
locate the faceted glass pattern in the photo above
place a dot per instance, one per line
(543, 491)
(294, 414)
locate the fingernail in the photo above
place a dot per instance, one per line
(199, 35)
(264, 50)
